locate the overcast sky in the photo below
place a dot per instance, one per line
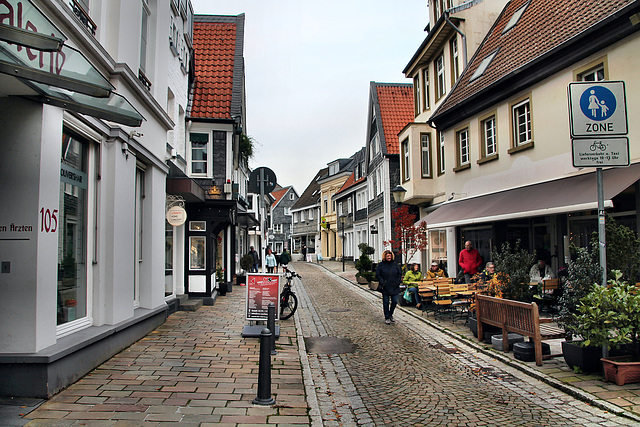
(308, 68)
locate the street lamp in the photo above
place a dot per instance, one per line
(343, 217)
(398, 193)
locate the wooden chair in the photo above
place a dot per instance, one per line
(462, 298)
(427, 292)
(442, 299)
(547, 295)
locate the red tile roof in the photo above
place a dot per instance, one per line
(396, 111)
(277, 195)
(350, 182)
(214, 45)
(544, 26)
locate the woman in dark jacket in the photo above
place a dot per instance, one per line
(389, 275)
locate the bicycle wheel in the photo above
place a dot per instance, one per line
(289, 307)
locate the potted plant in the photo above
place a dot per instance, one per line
(583, 272)
(610, 316)
(364, 264)
(512, 272)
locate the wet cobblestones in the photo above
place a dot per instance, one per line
(408, 373)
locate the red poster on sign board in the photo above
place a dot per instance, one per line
(262, 289)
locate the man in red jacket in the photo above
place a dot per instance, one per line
(469, 261)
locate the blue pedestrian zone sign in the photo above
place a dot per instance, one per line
(598, 109)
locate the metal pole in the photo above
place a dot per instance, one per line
(263, 220)
(601, 227)
(271, 325)
(264, 371)
(342, 244)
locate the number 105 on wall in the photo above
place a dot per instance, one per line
(48, 220)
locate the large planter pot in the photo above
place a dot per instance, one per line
(587, 359)
(361, 280)
(621, 370)
(489, 330)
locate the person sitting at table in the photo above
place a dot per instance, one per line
(541, 271)
(412, 276)
(488, 272)
(435, 272)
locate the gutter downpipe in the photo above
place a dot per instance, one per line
(464, 38)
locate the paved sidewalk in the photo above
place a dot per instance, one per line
(591, 388)
(197, 369)
(194, 369)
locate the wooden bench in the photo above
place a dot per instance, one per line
(518, 317)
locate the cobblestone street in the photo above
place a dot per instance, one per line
(408, 373)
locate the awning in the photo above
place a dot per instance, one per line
(67, 69)
(39, 33)
(572, 194)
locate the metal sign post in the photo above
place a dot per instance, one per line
(598, 113)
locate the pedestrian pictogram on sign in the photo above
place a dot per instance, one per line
(598, 109)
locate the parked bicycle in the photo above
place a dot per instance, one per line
(288, 299)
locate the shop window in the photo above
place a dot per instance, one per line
(71, 226)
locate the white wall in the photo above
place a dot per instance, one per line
(30, 177)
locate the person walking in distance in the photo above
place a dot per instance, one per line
(389, 275)
(270, 261)
(256, 259)
(469, 261)
(304, 252)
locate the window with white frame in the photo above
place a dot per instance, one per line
(200, 153)
(310, 212)
(291, 196)
(296, 215)
(380, 183)
(349, 203)
(441, 82)
(521, 116)
(441, 163)
(287, 211)
(595, 74)
(425, 91)
(277, 228)
(406, 174)
(462, 137)
(302, 218)
(425, 155)
(326, 205)
(144, 37)
(455, 62)
(489, 143)
(416, 94)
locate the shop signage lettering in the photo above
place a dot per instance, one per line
(13, 228)
(70, 175)
(13, 13)
(73, 176)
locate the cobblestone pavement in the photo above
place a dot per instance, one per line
(409, 373)
(195, 369)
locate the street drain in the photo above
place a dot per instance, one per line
(338, 310)
(329, 345)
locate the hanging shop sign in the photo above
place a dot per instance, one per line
(176, 216)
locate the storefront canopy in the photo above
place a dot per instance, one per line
(572, 194)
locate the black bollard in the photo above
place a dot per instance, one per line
(264, 371)
(271, 324)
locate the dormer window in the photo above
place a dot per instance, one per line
(515, 18)
(483, 66)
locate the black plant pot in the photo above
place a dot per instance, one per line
(488, 330)
(587, 359)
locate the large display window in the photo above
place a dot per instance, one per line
(72, 232)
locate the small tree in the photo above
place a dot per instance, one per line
(584, 271)
(364, 263)
(512, 271)
(622, 249)
(408, 237)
